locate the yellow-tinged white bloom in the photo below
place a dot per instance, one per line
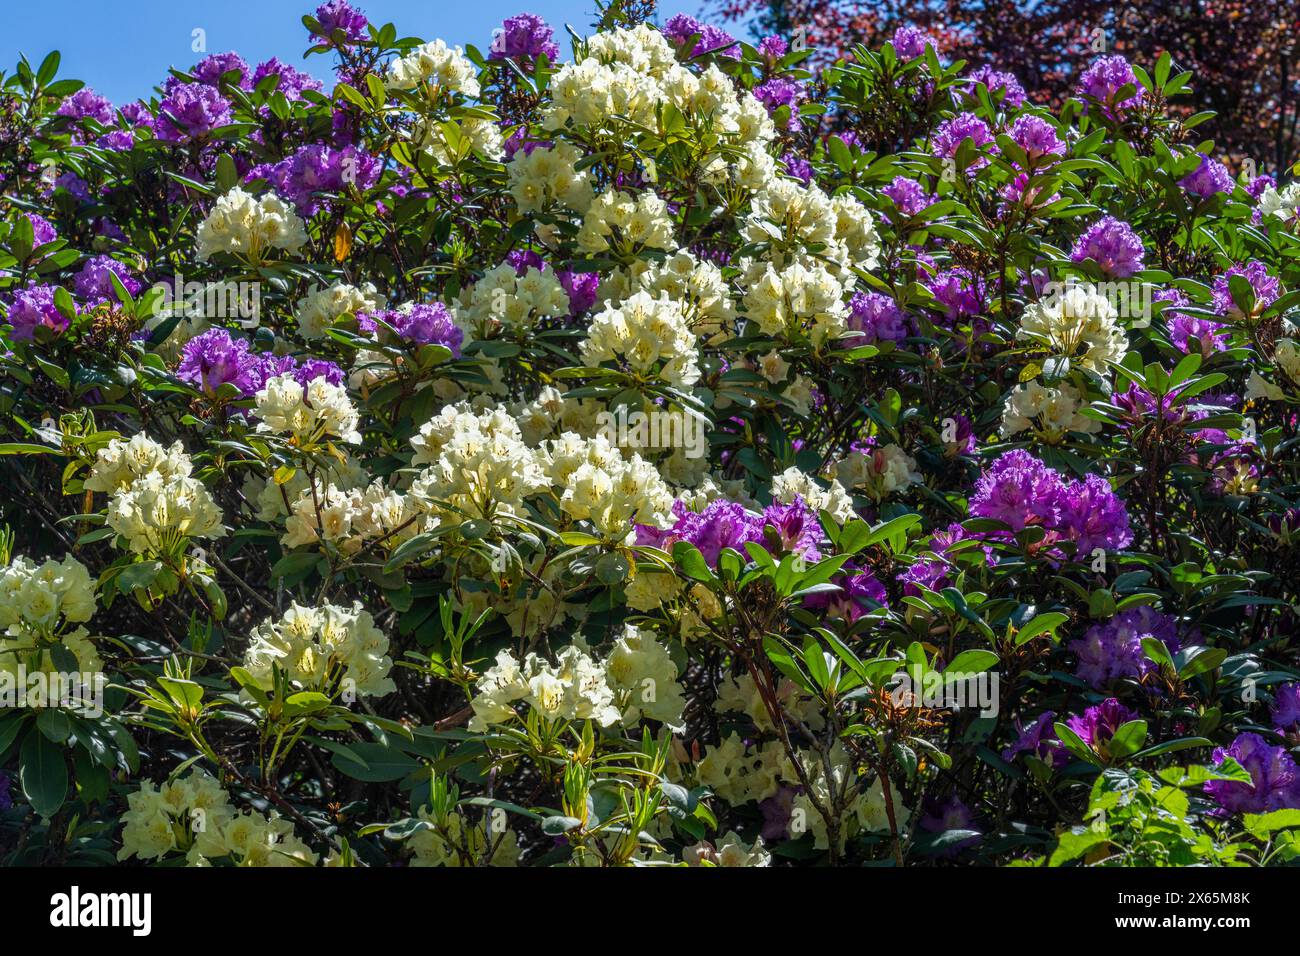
(156, 514)
(644, 679)
(321, 308)
(626, 223)
(503, 297)
(879, 472)
(648, 336)
(797, 299)
(1078, 323)
(1286, 355)
(546, 175)
(729, 851)
(329, 649)
(1051, 412)
(437, 64)
(478, 464)
(458, 841)
(42, 599)
(308, 414)
(249, 226)
(793, 483)
(597, 484)
(574, 688)
(120, 462)
(1283, 203)
(739, 774)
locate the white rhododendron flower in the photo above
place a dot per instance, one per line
(250, 227)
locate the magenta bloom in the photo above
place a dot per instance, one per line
(94, 285)
(1038, 739)
(581, 287)
(681, 27)
(958, 292)
(312, 369)
(524, 37)
(1105, 78)
(87, 104)
(952, 133)
(797, 528)
(1093, 516)
(192, 111)
(773, 47)
(34, 307)
(1013, 94)
(316, 169)
(1098, 724)
(1036, 136)
(211, 69)
(909, 42)
(928, 574)
(1208, 178)
(723, 524)
(1285, 712)
(908, 195)
(878, 317)
(1113, 650)
(292, 81)
(860, 591)
(336, 16)
(423, 324)
(1266, 287)
(1018, 490)
(1275, 779)
(1113, 245)
(212, 359)
(42, 230)
(778, 92)
(1190, 333)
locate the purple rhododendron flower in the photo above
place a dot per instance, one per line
(1013, 94)
(1275, 779)
(1098, 724)
(773, 47)
(908, 195)
(778, 92)
(959, 293)
(34, 307)
(312, 369)
(1208, 178)
(1266, 288)
(1105, 77)
(42, 230)
(681, 27)
(582, 287)
(909, 42)
(1018, 490)
(950, 134)
(422, 324)
(211, 69)
(860, 591)
(213, 358)
(932, 575)
(722, 524)
(526, 36)
(951, 814)
(1036, 136)
(798, 167)
(192, 111)
(1038, 740)
(1113, 650)
(878, 318)
(1190, 333)
(1285, 711)
(797, 528)
(1113, 245)
(317, 169)
(1093, 516)
(338, 15)
(94, 285)
(87, 104)
(292, 81)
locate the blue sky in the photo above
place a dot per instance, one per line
(123, 49)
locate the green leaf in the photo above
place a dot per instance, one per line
(1041, 624)
(43, 773)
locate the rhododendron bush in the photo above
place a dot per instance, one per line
(565, 454)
